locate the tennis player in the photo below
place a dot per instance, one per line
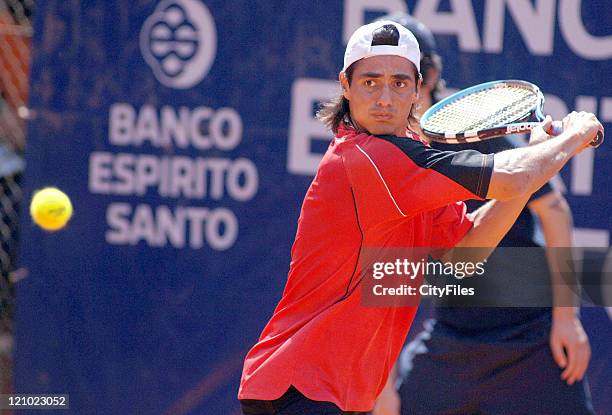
(496, 359)
(378, 184)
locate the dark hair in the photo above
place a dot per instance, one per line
(386, 35)
(428, 62)
(336, 111)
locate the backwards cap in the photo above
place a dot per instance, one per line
(382, 38)
(427, 42)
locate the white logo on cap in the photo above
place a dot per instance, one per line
(179, 42)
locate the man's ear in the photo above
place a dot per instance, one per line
(346, 90)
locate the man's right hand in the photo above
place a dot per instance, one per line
(584, 126)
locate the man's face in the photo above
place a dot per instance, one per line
(381, 94)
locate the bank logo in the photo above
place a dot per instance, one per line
(179, 42)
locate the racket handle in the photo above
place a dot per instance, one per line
(556, 128)
(598, 140)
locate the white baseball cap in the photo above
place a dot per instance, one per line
(363, 44)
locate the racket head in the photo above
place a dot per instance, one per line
(483, 111)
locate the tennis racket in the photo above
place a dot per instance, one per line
(488, 110)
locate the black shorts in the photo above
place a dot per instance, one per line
(291, 403)
(442, 373)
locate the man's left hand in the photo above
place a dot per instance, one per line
(569, 344)
(539, 134)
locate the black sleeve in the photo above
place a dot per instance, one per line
(542, 191)
(468, 168)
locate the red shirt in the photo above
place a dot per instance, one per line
(368, 191)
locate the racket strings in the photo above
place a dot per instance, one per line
(484, 109)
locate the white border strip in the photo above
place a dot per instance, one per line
(383, 180)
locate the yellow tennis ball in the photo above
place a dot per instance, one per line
(50, 208)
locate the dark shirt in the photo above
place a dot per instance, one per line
(501, 321)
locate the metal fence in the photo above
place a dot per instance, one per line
(15, 52)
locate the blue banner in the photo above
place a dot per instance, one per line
(184, 133)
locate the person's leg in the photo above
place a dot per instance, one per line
(292, 403)
(530, 382)
(436, 376)
(256, 407)
(274, 407)
(298, 404)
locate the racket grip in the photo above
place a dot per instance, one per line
(598, 140)
(556, 128)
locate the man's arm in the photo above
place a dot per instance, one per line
(519, 172)
(495, 218)
(568, 340)
(389, 401)
(524, 170)
(492, 221)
